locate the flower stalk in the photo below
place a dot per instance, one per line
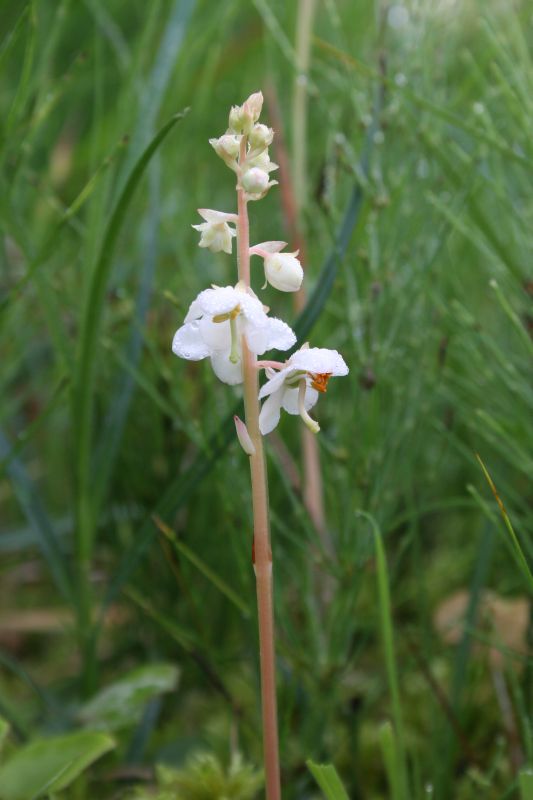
(230, 326)
(261, 528)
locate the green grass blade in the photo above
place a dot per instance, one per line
(525, 781)
(516, 546)
(83, 389)
(23, 87)
(387, 634)
(25, 436)
(34, 511)
(327, 778)
(113, 429)
(447, 745)
(326, 279)
(175, 495)
(10, 39)
(389, 749)
(202, 567)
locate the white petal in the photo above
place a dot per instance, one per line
(256, 338)
(226, 370)
(290, 399)
(216, 335)
(319, 360)
(210, 215)
(270, 412)
(188, 342)
(218, 301)
(280, 335)
(253, 310)
(219, 238)
(269, 247)
(276, 382)
(194, 312)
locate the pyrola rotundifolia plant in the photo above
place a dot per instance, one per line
(231, 326)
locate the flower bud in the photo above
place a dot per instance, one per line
(235, 122)
(244, 437)
(261, 160)
(242, 118)
(227, 147)
(284, 271)
(253, 105)
(260, 136)
(255, 181)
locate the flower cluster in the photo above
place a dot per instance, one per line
(220, 319)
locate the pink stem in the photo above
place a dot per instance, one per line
(271, 364)
(262, 551)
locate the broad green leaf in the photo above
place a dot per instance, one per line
(51, 764)
(122, 704)
(327, 778)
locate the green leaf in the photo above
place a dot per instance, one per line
(202, 567)
(327, 778)
(167, 53)
(516, 547)
(122, 704)
(387, 634)
(4, 730)
(83, 394)
(525, 780)
(51, 764)
(389, 749)
(33, 509)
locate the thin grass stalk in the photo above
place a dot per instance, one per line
(262, 554)
(313, 485)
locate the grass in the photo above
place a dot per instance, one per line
(418, 229)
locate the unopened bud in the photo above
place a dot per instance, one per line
(244, 437)
(235, 122)
(284, 272)
(243, 118)
(255, 181)
(261, 136)
(253, 105)
(227, 147)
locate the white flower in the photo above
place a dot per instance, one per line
(216, 233)
(282, 270)
(295, 387)
(215, 323)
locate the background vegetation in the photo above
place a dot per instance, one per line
(125, 521)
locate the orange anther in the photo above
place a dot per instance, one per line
(320, 381)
